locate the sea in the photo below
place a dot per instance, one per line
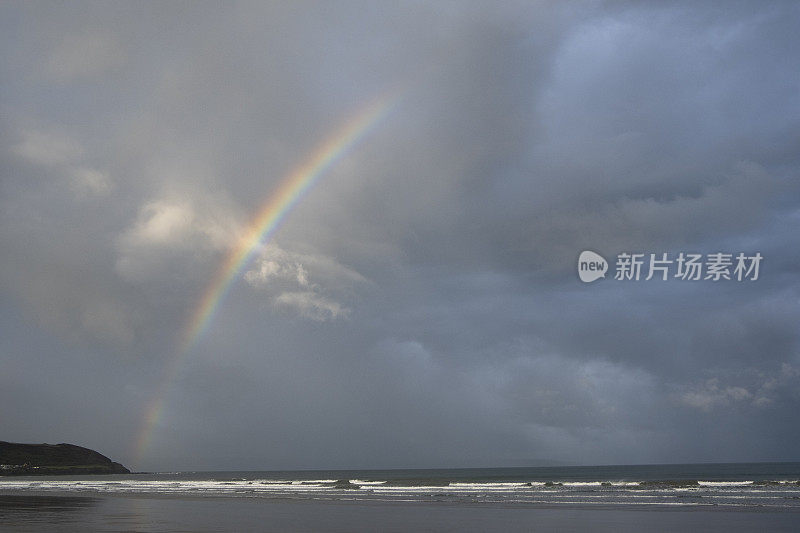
(675, 497)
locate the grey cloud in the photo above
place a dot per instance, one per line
(419, 306)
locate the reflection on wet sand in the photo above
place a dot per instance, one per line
(29, 510)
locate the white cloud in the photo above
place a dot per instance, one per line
(406, 351)
(273, 270)
(287, 279)
(760, 391)
(276, 263)
(64, 155)
(88, 181)
(162, 223)
(710, 395)
(312, 305)
(183, 223)
(173, 229)
(47, 148)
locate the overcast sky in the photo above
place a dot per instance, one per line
(420, 306)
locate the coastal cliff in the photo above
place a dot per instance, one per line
(54, 459)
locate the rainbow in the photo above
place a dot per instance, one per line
(258, 232)
(275, 209)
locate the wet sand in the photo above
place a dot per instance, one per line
(207, 514)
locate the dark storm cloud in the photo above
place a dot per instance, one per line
(420, 306)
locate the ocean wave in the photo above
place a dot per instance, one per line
(781, 493)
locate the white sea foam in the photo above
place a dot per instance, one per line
(724, 483)
(298, 486)
(566, 492)
(488, 486)
(418, 488)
